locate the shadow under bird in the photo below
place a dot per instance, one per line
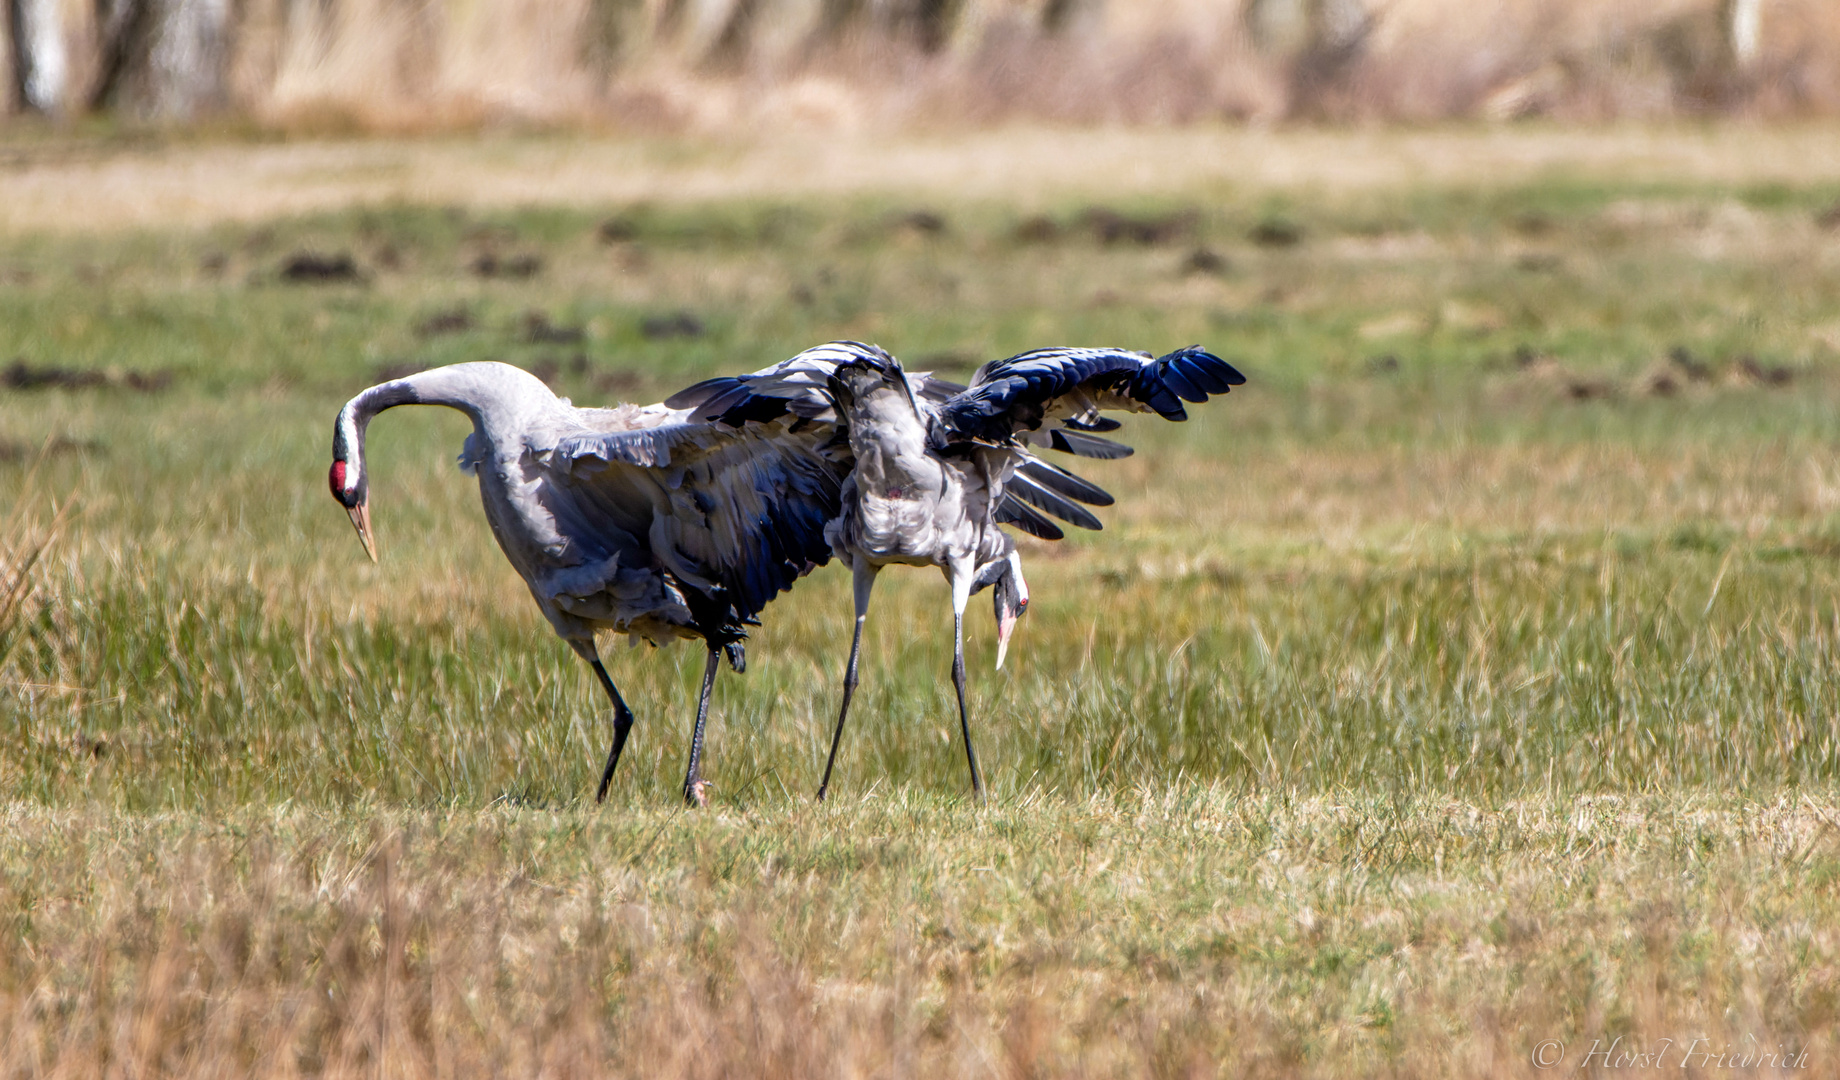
(635, 519)
(935, 468)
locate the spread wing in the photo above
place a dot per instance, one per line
(795, 387)
(735, 513)
(1066, 389)
(795, 391)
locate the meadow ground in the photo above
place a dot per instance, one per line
(1460, 696)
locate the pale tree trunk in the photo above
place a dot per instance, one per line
(187, 59)
(161, 58)
(40, 57)
(1286, 29)
(1744, 30)
(122, 28)
(1317, 42)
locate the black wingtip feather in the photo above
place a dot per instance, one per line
(720, 400)
(1203, 369)
(1049, 502)
(691, 396)
(757, 408)
(1012, 511)
(1088, 446)
(1060, 480)
(1174, 378)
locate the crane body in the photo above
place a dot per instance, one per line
(631, 519)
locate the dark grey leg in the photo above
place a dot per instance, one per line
(693, 776)
(958, 683)
(622, 725)
(864, 580)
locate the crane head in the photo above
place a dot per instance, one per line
(349, 488)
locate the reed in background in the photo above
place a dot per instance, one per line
(745, 65)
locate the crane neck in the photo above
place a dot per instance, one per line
(498, 398)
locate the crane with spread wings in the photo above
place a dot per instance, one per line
(935, 468)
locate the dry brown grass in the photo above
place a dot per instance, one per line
(61, 186)
(1176, 936)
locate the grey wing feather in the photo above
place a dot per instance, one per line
(646, 448)
(737, 512)
(796, 386)
(938, 390)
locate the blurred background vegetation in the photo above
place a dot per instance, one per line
(743, 64)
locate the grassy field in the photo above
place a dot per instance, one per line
(1469, 680)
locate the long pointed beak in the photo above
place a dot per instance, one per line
(361, 520)
(1007, 617)
(1015, 591)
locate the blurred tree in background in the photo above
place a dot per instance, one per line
(749, 64)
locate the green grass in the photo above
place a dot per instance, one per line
(1448, 688)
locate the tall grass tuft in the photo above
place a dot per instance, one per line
(25, 537)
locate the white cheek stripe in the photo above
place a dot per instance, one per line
(354, 464)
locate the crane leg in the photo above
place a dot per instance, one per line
(961, 594)
(864, 581)
(622, 726)
(693, 776)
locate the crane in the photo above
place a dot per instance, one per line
(635, 519)
(935, 468)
